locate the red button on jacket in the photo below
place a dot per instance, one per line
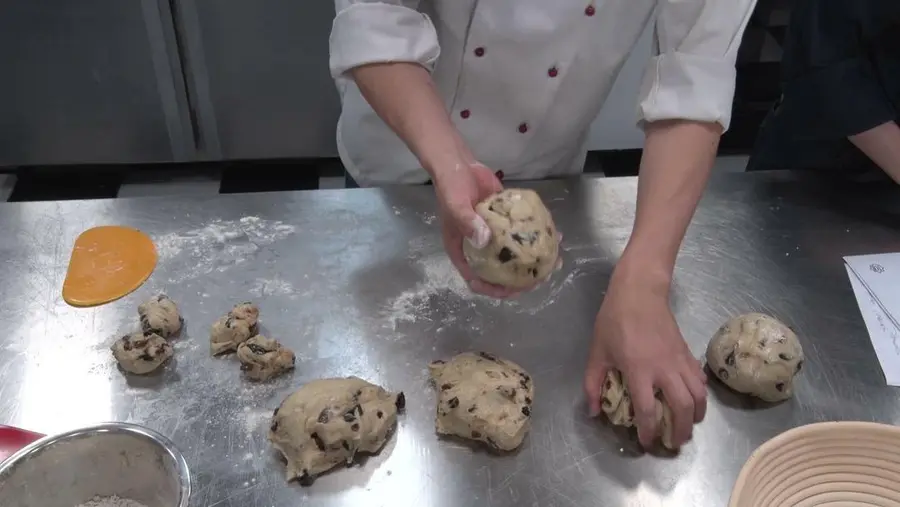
(589, 10)
(523, 127)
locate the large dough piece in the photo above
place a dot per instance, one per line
(159, 315)
(263, 358)
(756, 354)
(234, 328)
(484, 398)
(140, 354)
(617, 406)
(327, 422)
(524, 243)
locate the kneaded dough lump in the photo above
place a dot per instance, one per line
(141, 354)
(483, 397)
(616, 404)
(524, 245)
(327, 422)
(159, 315)
(235, 328)
(263, 358)
(756, 354)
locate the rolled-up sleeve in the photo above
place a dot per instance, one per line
(692, 73)
(367, 32)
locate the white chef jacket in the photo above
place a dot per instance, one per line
(524, 79)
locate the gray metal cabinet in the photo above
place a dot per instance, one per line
(258, 77)
(92, 81)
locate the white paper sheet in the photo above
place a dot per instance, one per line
(884, 334)
(880, 275)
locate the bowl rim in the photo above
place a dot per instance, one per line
(792, 434)
(181, 466)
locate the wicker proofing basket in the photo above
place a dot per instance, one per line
(823, 464)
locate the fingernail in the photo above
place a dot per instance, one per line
(481, 234)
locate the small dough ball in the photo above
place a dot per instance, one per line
(238, 326)
(756, 354)
(246, 311)
(159, 315)
(616, 404)
(263, 358)
(327, 422)
(141, 354)
(524, 243)
(483, 398)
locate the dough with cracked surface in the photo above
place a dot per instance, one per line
(234, 328)
(159, 315)
(484, 398)
(616, 404)
(328, 422)
(524, 245)
(141, 354)
(263, 358)
(756, 354)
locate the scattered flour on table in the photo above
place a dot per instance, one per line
(439, 277)
(110, 501)
(272, 287)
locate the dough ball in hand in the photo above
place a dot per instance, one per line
(616, 404)
(756, 354)
(159, 315)
(141, 354)
(233, 329)
(484, 398)
(327, 422)
(524, 244)
(263, 358)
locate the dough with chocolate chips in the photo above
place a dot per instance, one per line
(756, 354)
(616, 404)
(524, 242)
(263, 358)
(234, 328)
(141, 354)
(159, 315)
(327, 422)
(483, 397)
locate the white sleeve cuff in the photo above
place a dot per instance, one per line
(682, 86)
(366, 33)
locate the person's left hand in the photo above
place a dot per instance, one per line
(636, 333)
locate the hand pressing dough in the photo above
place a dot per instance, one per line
(159, 315)
(141, 354)
(263, 358)
(756, 354)
(483, 398)
(327, 422)
(616, 404)
(233, 329)
(524, 243)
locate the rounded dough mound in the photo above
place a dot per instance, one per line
(234, 328)
(616, 404)
(524, 243)
(263, 358)
(756, 354)
(159, 315)
(140, 354)
(483, 398)
(327, 422)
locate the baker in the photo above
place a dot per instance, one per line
(462, 93)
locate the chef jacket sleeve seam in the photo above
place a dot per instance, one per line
(366, 33)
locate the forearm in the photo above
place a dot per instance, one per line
(677, 159)
(882, 145)
(405, 97)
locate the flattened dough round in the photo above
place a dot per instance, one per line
(140, 354)
(327, 422)
(484, 398)
(616, 404)
(524, 244)
(756, 354)
(234, 328)
(263, 358)
(159, 315)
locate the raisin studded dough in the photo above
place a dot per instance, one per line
(159, 315)
(234, 328)
(263, 358)
(524, 243)
(616, 404)
(327, 422)
(756, 354)
(140, 354)
(484, 398)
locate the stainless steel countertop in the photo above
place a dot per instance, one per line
(356, 283)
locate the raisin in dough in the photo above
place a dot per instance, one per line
(159, 315)
(756, 354)
(233, 329)
(263, 358)
(483, 398)
(524, 243)
(327, 422)
(616, 404)
(141, 354)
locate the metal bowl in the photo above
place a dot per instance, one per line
(71, 468)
